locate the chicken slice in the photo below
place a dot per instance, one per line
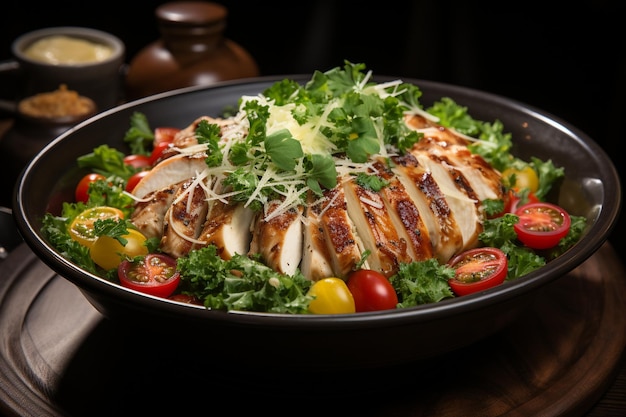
(344, 245)
(404, 214)
(315, 262)
(227, 227)
(431, 202)
(279, 239)
(170, 171)
(150, 212)
(484, 181)
(459, 197)
(184, 219)
(434, 130)
(375, 226)
(451, 147)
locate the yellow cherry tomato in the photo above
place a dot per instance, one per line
(81, 229)
(108, 253)
(332, 296)
(519, 179)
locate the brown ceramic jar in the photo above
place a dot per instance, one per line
(192, 51)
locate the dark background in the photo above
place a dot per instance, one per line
(569, 62)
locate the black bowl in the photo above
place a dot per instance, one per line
(261, 341)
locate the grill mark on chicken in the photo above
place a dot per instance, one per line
(437, 202)
(278, 240)
(456, 177)
(184, 219)
(459, 179)
(418, 235)
(461, 182)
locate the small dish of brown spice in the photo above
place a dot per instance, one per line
(62, 105)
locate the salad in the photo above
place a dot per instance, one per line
(282, 154)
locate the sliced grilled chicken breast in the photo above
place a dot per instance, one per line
(375, 226)
(316, 261)
(149, 213)
(404, 214)
(227, 227)
(464, 206)
(432, 129)
(484, 181)
(184, 219)
(344, 245)
(451, 147)
(170, 171)
(439, 219)
(278, 239)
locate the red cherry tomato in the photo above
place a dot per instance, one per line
(137, 161)
(134, 180)
(157, 152)
(515, 200)
(371, 291)
(82, 189)
(154, 274)
(164, 134)
(477, 270)
(541, 225)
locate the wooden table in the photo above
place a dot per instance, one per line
(562, 358)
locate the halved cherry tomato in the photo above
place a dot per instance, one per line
(541, 225)
(108, 253)
(81, 193)
(82, 227)
(157, 152)
(332, 296)
(164, 134)
(371, 291)
(477, 270)
(137, 161)
(134, 180)
(154, 274)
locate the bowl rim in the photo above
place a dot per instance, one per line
(595, 236)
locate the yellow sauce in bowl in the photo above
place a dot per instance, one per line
(67, 50)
